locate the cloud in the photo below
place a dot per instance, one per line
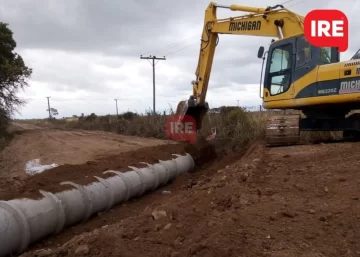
(85, 53)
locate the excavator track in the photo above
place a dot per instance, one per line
(282, 130)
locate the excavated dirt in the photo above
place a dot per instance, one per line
(80, 154)
(274, 202)
(280, 202)
(84, 173)
(64, 147)
(20, 186)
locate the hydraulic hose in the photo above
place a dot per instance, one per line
(25, 221)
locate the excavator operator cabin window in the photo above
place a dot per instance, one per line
(280, 69)
(325, 54)
(303, 52)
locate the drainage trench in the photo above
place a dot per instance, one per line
(26, 221)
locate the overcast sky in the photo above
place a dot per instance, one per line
(85, 53)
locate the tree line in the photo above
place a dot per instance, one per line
(14, 76)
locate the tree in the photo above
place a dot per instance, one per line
(13, 74)
(53, 111)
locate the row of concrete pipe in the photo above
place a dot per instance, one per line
(25, 221)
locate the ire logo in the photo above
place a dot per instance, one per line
(181, 129)
(327, 28)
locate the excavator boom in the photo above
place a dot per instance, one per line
(276, 22)
(298, 76)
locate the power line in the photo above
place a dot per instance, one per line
(298, 3)
(166, 47)
(153, 58)
(79, 99)
(175, 47)
(289, 1)
(181, 42)
(178, 50)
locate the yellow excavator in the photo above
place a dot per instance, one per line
(298, 75)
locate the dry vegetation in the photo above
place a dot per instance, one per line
(5, 130)
(235, 126)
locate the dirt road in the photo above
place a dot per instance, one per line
(279, 202)
(65, 147)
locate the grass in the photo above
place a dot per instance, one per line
(235, 126)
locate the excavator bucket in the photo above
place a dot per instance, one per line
(197, 112)
(190, 108)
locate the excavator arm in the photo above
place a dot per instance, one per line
(276, 22)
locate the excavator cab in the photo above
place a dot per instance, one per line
(289, 60)
(291, 73)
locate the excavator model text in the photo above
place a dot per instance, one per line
(297, 75)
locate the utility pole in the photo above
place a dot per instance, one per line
(153, 58)
(238, 102)
(117, 111)
(48, 100)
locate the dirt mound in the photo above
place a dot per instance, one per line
(290, 201)
(135, 232)
(120, 162)
(64, 147)
(203, 151)
(84, 173)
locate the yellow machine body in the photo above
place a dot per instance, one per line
(297, 75)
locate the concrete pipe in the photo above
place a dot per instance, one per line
(25, 221)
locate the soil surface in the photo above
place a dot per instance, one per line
(274, 202)
(68, 148)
